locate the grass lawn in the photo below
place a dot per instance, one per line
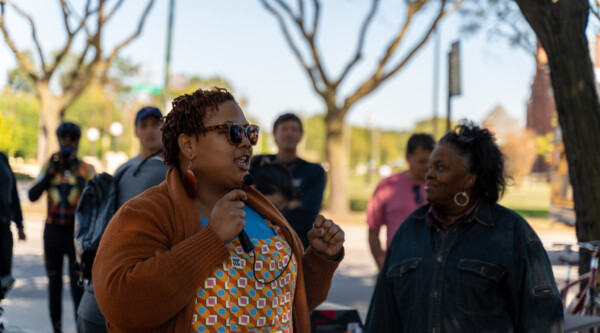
(530, 199)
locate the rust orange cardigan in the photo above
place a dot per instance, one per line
(155, 255)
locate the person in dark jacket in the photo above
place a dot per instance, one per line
(274, 181)
(309, 178)
(135, 176)
(463, 263)
(10, 210)
(63, 177)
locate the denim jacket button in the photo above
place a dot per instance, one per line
(440, 258)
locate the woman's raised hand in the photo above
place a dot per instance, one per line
(326, 237)
(227, 216)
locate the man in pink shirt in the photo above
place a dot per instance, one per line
(399, 195)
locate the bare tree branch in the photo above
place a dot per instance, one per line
(317, 15)
(82, 18)
(301, 10)
(80, 82)
(92, 41)
(21, 57)
(290, 42)
(98, 66)
(82, 74)
(65, 10)
(70, 35)
(33, 33)
(413, 8)
(112, 12)
(309, 37)
(133, 36)
(520, 39)
(289, 11)
(378, 77)
(361, 39)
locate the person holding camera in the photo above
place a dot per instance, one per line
(63, 177)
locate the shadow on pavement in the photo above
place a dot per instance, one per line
(352, 288)
(30, 273)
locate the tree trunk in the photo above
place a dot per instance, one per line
(560, 27)
(50, 118)
(338, 163)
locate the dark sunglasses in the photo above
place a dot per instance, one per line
(237, 132)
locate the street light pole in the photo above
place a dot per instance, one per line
(168, 55)
(436, 77)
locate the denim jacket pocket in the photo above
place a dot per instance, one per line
(479, 288)
(404, 277)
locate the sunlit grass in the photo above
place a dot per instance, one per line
(530, 199)
(530, 196)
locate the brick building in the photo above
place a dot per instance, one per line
(541, 109)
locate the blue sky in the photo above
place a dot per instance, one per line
(240, 41)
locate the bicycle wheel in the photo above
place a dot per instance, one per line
(594, 310)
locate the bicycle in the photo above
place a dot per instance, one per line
(586, 302)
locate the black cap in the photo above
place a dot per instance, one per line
(147, 111)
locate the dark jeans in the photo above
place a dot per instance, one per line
(85, 326)
(58, 242)
(6, 246)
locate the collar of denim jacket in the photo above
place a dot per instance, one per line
(482, 213)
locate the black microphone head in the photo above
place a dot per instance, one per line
(248, 180)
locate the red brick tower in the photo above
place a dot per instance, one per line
(541, 109)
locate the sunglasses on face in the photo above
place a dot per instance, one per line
(236, 132)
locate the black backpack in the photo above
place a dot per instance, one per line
(97, 205)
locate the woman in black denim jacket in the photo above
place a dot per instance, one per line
(463, 263)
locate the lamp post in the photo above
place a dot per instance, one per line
(115, 129)
(92, 134)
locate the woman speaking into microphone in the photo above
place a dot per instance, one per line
(170, 259)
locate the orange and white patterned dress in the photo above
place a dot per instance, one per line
(250, 292)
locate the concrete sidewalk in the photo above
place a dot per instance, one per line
(26, 307)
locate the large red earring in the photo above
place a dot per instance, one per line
(189, 182)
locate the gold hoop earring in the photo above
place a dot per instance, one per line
(190, 183)
(461, 194)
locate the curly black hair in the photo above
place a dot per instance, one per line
(484, 158)
(187, 117)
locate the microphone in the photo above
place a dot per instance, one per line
(243, 236)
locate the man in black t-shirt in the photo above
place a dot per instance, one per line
(309, 178)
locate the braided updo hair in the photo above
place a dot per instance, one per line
(187, 117)
(483, 156)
